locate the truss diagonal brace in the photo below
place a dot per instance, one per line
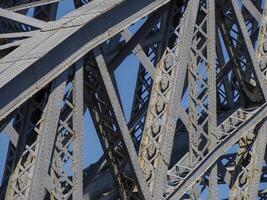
(252, 9)
(48, 135)
(122, 123)
(249, 46)
(211, 158)
(167, 131)
(32, 4)
(18, 34)
(38, 72)
(258, 160)
(22, 18)
(140, 54)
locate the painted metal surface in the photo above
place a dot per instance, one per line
(198, 117)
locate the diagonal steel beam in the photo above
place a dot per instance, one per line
(12, 44)
(252, 9)
(22, 18)
(212, 156)
(139, 52)
(132, 42)
(157, 140)
(249, 46)
(122, 123)
(32, 4)
(62, 43)
(18, 34)
(47, 138)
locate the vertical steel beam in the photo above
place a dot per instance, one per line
(65, 170)
(78, 130)
(258, 159)
(48, 135)
(144, 81)
(212, 95)
(157, 140)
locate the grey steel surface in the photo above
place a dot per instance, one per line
(198, 117)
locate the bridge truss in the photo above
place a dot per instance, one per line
(197, 128)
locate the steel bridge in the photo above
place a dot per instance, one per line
(197, 127)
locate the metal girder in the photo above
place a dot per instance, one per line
(12, 44)
(199, 103)
(156, 145)
(221, 147)
(257, 158)
(78, 112)
(22, 166)
(12, 134)
(202, 111)
(252, 9)
(34, 67)
(32, 4)
(249, 165)
(110, 136)
(22, 18)
(237, 50)
(249, 46)
(46, 14)
(141, 55)
(122, 124)
(132, 42)
(212, 94)
(47, 136)
(144, 81)
(40, 179)
(263, 86)
(42, 72)
(234, 61)
(18, 34)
